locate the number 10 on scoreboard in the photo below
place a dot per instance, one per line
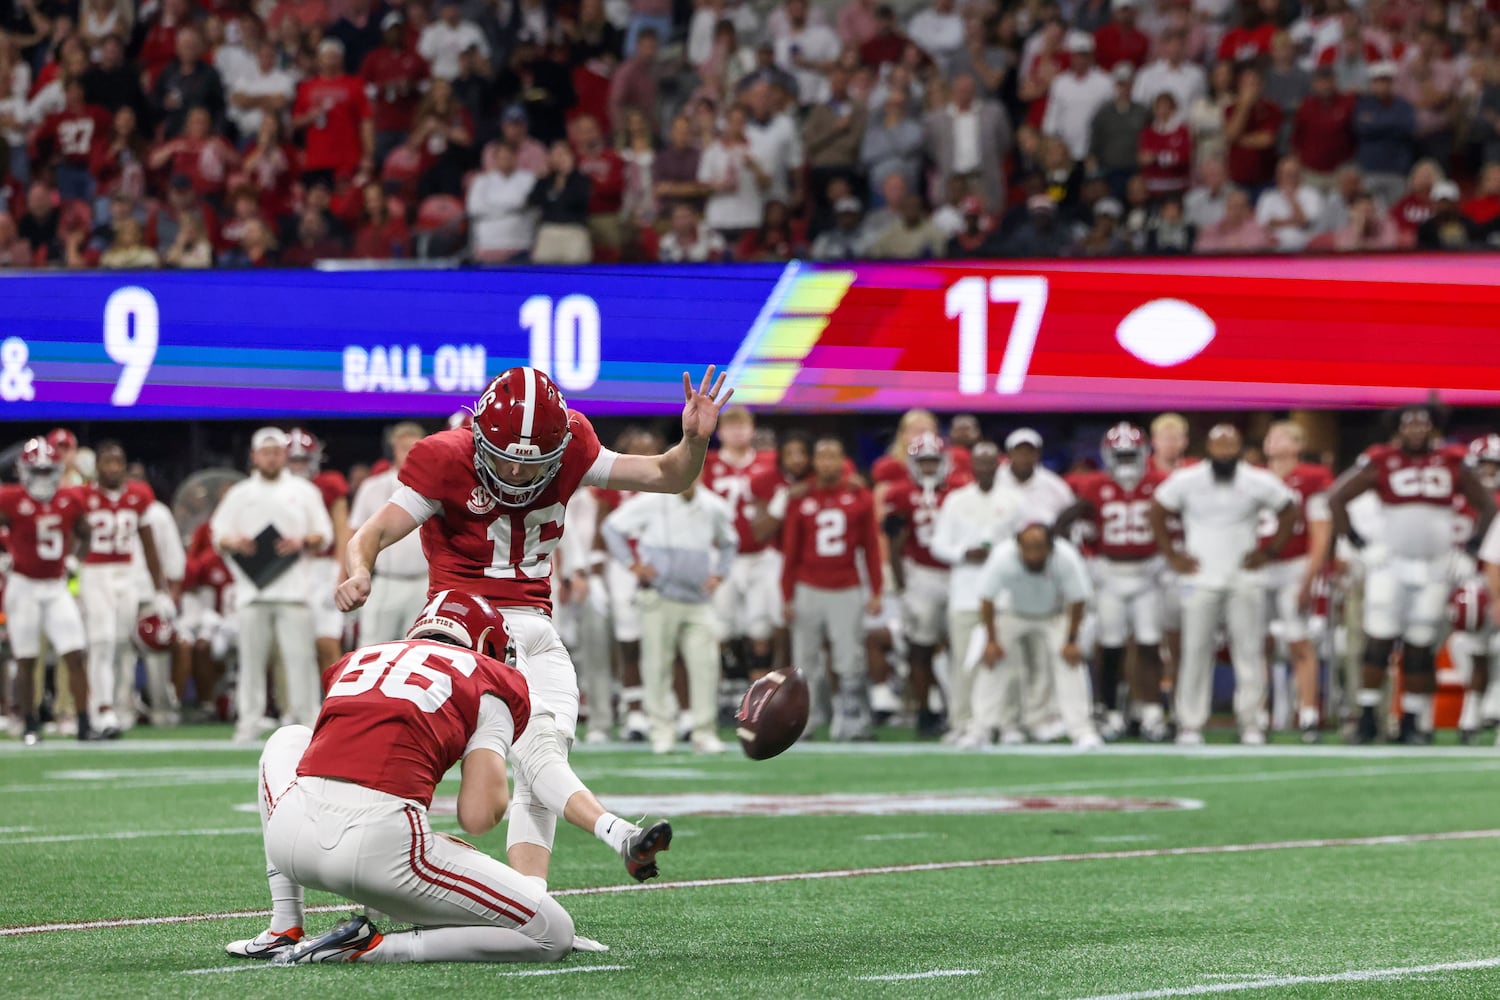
(968, 301)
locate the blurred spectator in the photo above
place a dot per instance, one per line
(1062, 178)
(128, 250)
(381, 235)
(638, 205)
(181, 198)
(395, 74)
(1115, 135)
(192, 247)
(270, 167)
(1351, 58)
(50, 96)
(1075, 96)
(1429, 83)
(244, 205)
(186, 84)
(475, 93)
(1172, 72)
(938, 30)
(1041, 234)
(727, 64)
(562, 195)
(913, 237)
(1102, 238)
(102, 19)
(443, 135)
(314, 242)
(1209, 113)
(1169, 232)
(736, 180)
(1483, 208)
(842, 241)
(606, 174)
(1091, 15)
(1251, 127)
(13, 126)
(38, 226)
(674, 170)
(1367, 227)
(689, 240)
(1120, 41)
(264, 89)
(542, 88)
(772, 240)
(359, 30)
(331, 108)
(1292, 210)
(590, 35)
(704, 29)
(1486, 124)
(1447, 228)
(833, 134)
(1415, 207)
(445, 39)
(968, 140)
(978, 234)
(887, 213)
(858, 21)
(807, 51)
(197, 154)
(1237, 231)
(633, 86)
(531, 155)
(886, 43)
(67, 141)
(498, 206)
(1384, 131)
(111, 83)
(982, 55)
(1348, 186)
(1250, 42)
(306, 14)
(159, 45)
(1165, 149)
(893, 143)
(653, 14)
(14, 250)
(1286, 83)
(1323, 130)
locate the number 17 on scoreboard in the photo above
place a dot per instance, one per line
(968, 300)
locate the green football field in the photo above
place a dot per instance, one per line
(890, 870)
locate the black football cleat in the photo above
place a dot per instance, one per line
(641, 850)
(1368, 731)
(348, 942)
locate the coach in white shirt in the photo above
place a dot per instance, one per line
(1220, 502)
(398, 587)
(1046, 587)
(971, 521)
(1076, 95)
(685, 546)
(293, 506)
(1044, 494)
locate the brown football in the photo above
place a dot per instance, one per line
(772, 714)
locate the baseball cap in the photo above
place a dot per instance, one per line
(392, 19)
(514, 113)
(1445, 191)
(1041, 203)
(1023, 435)
(1123, 72)
(847, 205)
(1384, 69)
(1078, 41)
(1108, 206)
(269, 437)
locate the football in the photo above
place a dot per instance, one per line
(772, 714)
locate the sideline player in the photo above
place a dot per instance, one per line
(441, 695)
(304, 457)
(44, 521)
(491, 503)
(1409, 571)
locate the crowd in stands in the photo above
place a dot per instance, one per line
(257, 133)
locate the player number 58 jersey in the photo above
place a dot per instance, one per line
(1417, 492)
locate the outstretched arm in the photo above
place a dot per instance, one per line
(677, 468)
(389, 525)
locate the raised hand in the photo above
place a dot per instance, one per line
(700, 409)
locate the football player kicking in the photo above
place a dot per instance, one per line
(490, 501)
(343, 806)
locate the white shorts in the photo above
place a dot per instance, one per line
(1129, 602)
(924, 604)
(328, 621)
(111, 602)
(624, 612)
(1169, 585)
(1407, 599)
(749, 602)
(34, 608)
(1283, 584)
(544, 661)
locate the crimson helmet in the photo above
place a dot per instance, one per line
(40, 469)
(1124, 452)
(303, 447)
(522, 419)
(1469, 607)
(1485, 450)
(466, 620)
(62, 439)
(155, 634)
(463, 418)
(927, 447)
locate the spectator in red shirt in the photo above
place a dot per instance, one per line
(773, 241)
(887, 44)
(1251, 41)
(257, 248)
(1166, 149)
(444, 137)
(1120, 40)
(244, 208)
(1416, 207)
(1323, 130)
(69, 138)
(382, 236)
(1484, 207)
(270, 168)
(313, 242)
(331, 107)
(160, 44)
(198, 154)
(396, 73)
(1250, 126)
(634, 82)
(606, 173)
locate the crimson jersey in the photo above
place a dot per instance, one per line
(823, 532)
(1312, 484)
(1466, 519)
(334, 487)
(1084, 533)
(892, 469)
(398, 715)
(114, 521)
(1417, 491)
(208, 571)
(1122, 517)
(918, 507)
(473, 544)
(733, 483)
(40, 533)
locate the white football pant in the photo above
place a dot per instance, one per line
(110, 599)
(1242, 607)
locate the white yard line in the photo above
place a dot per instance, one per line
(1272, 982)
(841, 873)
(247, 967)
(934, 974)
(565, 970)
(68, 838)
(897, 836)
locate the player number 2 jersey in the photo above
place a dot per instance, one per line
(398, 715)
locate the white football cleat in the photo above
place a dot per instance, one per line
(708, 744)
(1253, 738)
(596, 736)
(266, 944)
(661, 747)
(1088, 741)
(1189, 738)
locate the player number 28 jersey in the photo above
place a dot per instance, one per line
(114, 520)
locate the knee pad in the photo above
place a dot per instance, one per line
(528, 821)
(541, 759)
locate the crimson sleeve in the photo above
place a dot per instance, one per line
(871, 546)
(423, 468)
(791, 550)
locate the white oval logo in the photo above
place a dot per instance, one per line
(1166, 332)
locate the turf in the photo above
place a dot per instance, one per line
(1126, 919)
